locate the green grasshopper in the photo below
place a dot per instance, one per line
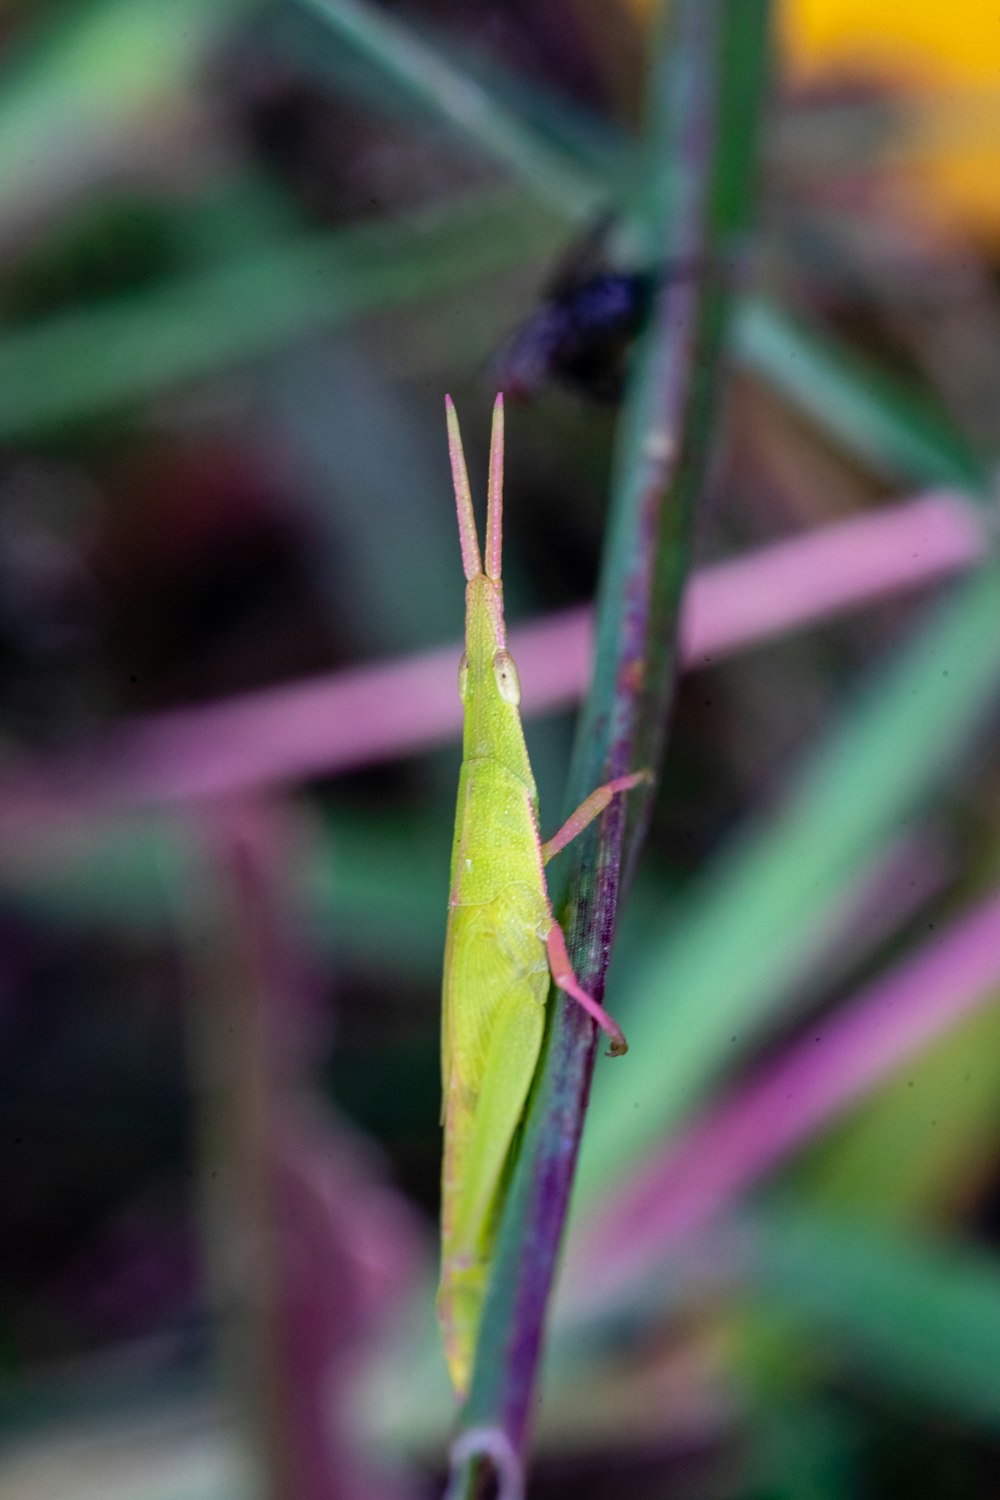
(503, 942)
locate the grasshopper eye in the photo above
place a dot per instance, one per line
(508, 682)
(463, 678)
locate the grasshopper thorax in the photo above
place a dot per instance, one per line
(488, 679)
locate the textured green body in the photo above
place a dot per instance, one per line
(496, 975)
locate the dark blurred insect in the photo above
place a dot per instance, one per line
(581, 332)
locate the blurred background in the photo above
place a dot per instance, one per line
(246, 247)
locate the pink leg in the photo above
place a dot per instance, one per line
(589, 809)
(562, 973)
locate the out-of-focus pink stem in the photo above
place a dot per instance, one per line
(732, 1145)
(308, 1247)
(371, 714)
(737, 604)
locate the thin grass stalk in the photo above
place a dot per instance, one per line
(421, 73)
(229, 1047)
(706, 89)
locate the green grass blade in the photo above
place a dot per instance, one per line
(414, 67)
(352, 883)
(750, 928)
(920, 1317)
(100, 358)
(873, 416)
(88, 76)
(924, 1145)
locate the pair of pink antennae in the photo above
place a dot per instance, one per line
(471, 559)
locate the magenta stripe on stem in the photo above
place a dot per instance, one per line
(728, 1148)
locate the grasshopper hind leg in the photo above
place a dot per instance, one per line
(566, 980)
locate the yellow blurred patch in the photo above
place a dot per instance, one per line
(922, 41)
(945, 57)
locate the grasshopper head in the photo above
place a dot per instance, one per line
(488, 679)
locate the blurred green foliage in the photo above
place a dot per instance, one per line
(203, 232)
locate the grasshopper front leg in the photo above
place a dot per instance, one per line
(590, 808)
(555, 943)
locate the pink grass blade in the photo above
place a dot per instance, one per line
(368, 715)
(728, 1148)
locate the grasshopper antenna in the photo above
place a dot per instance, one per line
(471, 561)
(494, 504)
